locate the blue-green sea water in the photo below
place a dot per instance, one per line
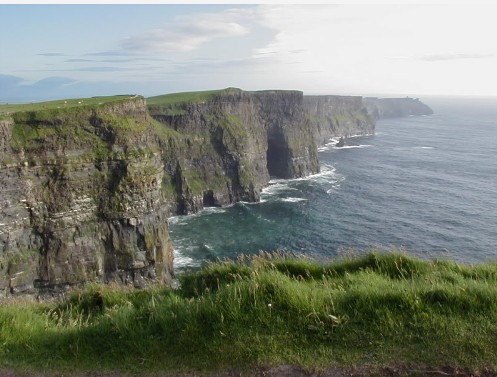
(426, 184)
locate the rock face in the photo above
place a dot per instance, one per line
(82, 199)
(86, 191)
(337, 116)
(379, 108)
(232, 142)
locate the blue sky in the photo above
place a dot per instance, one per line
(59, 51)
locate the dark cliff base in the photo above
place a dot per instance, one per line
(87, 185)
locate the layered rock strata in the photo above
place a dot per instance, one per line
(82, 200)
(337, 116)
(235, 141)
(86, 190)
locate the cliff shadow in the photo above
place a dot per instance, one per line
(278, 155)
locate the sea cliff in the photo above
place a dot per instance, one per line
(87, 185)
(82, 198)
(232, 142)
(337, 116)
(380, 108)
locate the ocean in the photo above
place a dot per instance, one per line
(426, 185)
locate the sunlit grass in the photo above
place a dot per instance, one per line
(186, 97)
(376, 309)
(6, 109)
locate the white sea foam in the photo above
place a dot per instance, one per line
(423, 148)
(214, 210)
(354, 146)
(181, 260)
(293, 200)
(326, 170)
(208, 247)
(359, 135)
(329, 145)
(183, 219)
(332, 144)
(333, 188)
(176, 220)
(277, 186)
(326, 178)
(278, 181)
(252, 203)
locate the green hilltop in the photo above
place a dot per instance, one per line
(7, 109)
(187, 97)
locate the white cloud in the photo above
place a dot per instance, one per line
(384, 48)
(354, 49)
(455, 56)
(186, 33)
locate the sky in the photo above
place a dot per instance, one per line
(62, 51)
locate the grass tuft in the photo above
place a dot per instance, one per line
(378, 309)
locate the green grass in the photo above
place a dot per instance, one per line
(48, 125)
(199, 181)
(6, 109)
(15, 257)
(187, 97)
(373, 310)
(38, 135)
(175, 104)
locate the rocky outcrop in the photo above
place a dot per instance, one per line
(379, 108)
(337, 116)
(82, 199)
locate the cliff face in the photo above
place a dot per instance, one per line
(87, 186)
(82, 198)
(379, 108)
(86, 190)
(337, 116)
(232, 142)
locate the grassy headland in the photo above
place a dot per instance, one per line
(176, 103)
(6, 109)
(186, 97)
(373, 310)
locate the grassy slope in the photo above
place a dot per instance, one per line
(185, 97)
(377, 309)
(176, 103)
(41, 125)
(6, 109)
